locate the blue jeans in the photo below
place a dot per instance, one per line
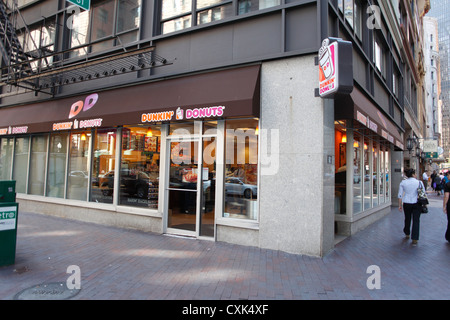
(412, 211)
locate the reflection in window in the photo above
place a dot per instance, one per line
(79, 32)
(375, 175)
(367, 175)
(340, 176)
(56, 177)
(357, 185)
(6, 153)
(214, 14)
(348, 11)
(37, 165)
(245, 6)
(387, 173)
(21, 162)
(103, 163)
(78, 172)
(241, 169)
(139, 170)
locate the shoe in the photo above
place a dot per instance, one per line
(414, 242)
(407, 236)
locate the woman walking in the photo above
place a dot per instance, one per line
(407, 201)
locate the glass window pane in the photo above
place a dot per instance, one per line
(37, 164)
(367, 171)
(103, 163)
(78, 176)
(375, 175)
(183, 165)
(215, 14)
(102, 20)
(56, 179)
(387, 174)
(340, 177)
(79, 32)
(128, 15)
(139, 171)
(348, 11)
(208, 187)
(241, 169)
(208, 3)
(176, 24)
(245, 6)
(357, 196)
(21, 164)
(358, 19)
(172, 8)
(6, 153)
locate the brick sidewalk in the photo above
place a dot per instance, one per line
(127, 264)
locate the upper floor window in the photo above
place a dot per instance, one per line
(182, 14)
(106, 19)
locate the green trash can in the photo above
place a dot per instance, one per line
(9, 210)
(7, 191)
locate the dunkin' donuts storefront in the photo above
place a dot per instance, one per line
(175, 156)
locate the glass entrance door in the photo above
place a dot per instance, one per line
(183, 186)
(191, 185)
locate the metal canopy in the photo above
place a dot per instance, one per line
(44, 74)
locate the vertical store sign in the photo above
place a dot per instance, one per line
(335, 67)
(328, 68)
(85, 4)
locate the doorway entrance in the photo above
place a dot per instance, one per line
(191, 185)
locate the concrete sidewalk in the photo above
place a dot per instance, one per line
(127, 264)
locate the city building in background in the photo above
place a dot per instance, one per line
(439, 11)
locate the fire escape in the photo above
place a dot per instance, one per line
(42, 70)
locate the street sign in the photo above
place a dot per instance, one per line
(431, 155)
(85, 4)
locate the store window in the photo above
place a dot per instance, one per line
(340, 177)
(38, 163)
(56, 177)
(357, 162)
(241, 169)
(20, 165)
(375, 176)
(139, 168)
(6, 154)
(367, 175)
(103, 164)
(78, 171)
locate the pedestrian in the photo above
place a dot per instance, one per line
(425, 180)
(407, 201)
(437, 183)
(446, 205)
(433, 175)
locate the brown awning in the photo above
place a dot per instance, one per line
(358, 107)
(219, 94)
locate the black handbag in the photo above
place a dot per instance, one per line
(422, 199)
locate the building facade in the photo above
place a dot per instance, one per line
(203, 118)
(438, 11)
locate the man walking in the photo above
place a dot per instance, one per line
(425, 180)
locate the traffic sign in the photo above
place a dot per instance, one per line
(85, 4)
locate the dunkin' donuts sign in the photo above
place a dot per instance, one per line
(335, 67)
(75, 109)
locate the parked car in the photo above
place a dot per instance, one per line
(236, 186)
(131, 182)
